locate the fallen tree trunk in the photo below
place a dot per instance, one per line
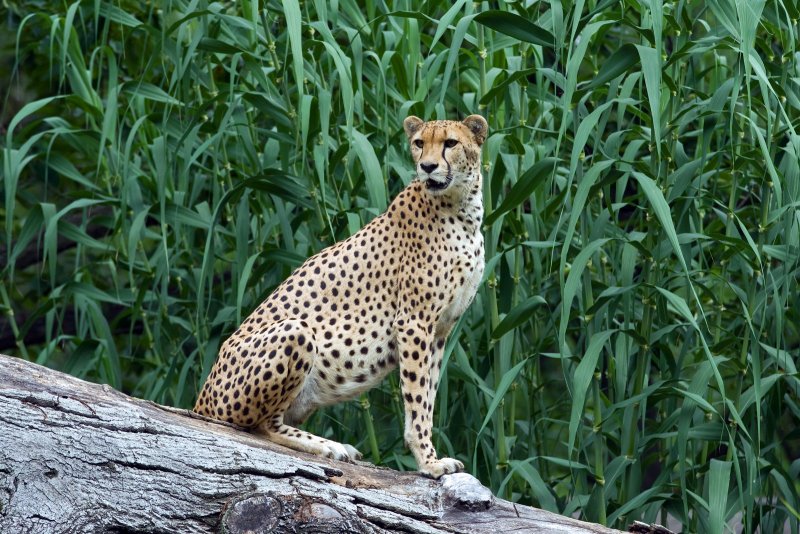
(80, 457)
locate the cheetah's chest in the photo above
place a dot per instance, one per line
(471, 262)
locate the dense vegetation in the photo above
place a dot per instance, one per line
(633, 350)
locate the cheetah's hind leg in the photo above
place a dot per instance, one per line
(300, 440)
(289, 355)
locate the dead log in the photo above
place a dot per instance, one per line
(77, 457)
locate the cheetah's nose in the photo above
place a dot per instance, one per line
(428, 167)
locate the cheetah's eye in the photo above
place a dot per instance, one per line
(450, 143)
(419, 143)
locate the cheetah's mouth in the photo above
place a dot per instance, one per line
(435, 185)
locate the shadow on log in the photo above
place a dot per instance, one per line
(81, 457)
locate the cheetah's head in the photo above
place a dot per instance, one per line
(446, 152)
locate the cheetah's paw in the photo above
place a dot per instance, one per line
(352, 452)
(442, 466)
(337, 451)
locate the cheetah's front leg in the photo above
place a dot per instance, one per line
(420, 357)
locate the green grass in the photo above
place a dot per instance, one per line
(633, 350)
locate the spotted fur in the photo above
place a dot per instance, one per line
(388, 296)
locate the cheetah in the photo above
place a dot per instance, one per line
(386, 297)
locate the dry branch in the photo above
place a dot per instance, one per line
(80, 457)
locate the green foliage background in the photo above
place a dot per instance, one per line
(633, 350)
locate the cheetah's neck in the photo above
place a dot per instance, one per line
(464, 200)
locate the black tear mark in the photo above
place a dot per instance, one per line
(449, 172)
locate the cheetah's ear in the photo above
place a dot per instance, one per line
(412, 125)
(478, 126)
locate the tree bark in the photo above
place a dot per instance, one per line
(81, 457)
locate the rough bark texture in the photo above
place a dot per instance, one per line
(80, 457)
